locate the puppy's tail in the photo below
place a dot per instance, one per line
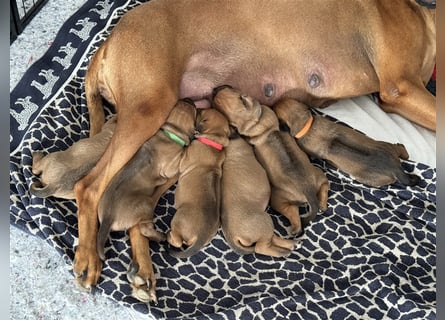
(193, 249)
(102, 236)
(38, 190)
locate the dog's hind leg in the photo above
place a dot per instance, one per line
(141, 274)
(401, 76)
(410, 100)
(276, 247)
(290, 211)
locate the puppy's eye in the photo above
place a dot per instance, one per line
(244, 101)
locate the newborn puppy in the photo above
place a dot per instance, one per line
(294, 180)
(198, 192)
(375, 163)
(133, 193)
(60, 170)
(245, 196)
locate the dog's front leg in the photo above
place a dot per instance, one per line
(141, 274)
(87, 265)
(132, 130)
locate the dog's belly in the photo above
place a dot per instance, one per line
(315, 79)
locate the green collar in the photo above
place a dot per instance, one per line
(174, 137)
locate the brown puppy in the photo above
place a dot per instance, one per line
(134, 192)
(198, 193)
(60, 170)
(375, 163)
(245, 196)
(294, 180)
(164, 50)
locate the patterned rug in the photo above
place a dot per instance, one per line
(371, 255)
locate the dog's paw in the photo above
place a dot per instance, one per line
(288, 248)
(143, 288)
(87, 267)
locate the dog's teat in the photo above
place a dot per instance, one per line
(314, 80)
(269, 90)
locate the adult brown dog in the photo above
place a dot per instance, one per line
(375, 163)
(245, 196)
(314, 51)
(198, 192)
(293, 179)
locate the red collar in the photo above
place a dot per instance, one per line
(210, 143)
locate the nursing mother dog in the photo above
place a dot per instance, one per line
(314, 51)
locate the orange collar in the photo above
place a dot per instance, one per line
(305, 129)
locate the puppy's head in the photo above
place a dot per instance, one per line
(181, 119)
(292, 114)
(212, 123)
(246, 114)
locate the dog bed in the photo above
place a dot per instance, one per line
(371, 255)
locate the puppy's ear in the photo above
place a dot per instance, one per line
(233, 133)
(198, 125)
(283, 126)
(189, 101)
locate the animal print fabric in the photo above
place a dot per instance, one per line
(371, 255)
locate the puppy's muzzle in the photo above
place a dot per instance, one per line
(218, 89)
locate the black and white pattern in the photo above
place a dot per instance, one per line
(371, 255)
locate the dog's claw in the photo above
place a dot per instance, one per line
(80, 284)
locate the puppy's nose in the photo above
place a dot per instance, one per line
(217, 89)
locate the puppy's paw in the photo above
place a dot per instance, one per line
(148, 230)
(142, 283)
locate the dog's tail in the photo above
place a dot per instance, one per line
(102, 236)
(193, 249)
(38, 190)
(93, 96)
